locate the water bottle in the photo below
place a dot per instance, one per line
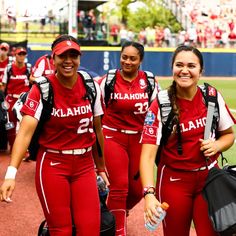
(162, 212)
(102, 188)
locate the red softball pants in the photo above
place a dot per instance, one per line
(182, 190)
(67, 189)
(122, 155)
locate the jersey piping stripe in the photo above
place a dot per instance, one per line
(160, 183)
(41, 182)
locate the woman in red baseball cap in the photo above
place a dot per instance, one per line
(65, 170)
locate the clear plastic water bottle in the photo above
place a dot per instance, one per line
(162, 212)
(102, 188)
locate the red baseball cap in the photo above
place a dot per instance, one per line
(65, 46)
(20, 49)
(5, 45)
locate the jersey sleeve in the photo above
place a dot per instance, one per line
(98, 111)
(33, 105)
(226, 118)
(152, 125)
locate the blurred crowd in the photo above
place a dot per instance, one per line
(212, 23)
(209, 24)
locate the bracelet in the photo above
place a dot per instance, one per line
(146, 189)
(11, 172)
(149, 192)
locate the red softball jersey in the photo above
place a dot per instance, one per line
(43, 66)
(3, 65)
(18, 81)
(71, 122)
(128, 103)
(192, 123)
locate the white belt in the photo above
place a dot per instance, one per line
(205, 167)
(71, 151)
(14, 95)
(121, 130)
(128, 131)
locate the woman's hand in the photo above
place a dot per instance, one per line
(209, 147)
(150, 212)
(6, 190)
(104, 177)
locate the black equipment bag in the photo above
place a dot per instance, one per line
(3, 121)
(3, 110)
(108, 226)
(220, 194)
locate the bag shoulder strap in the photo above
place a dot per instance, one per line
(166, 119)
(210, 97)
(109, 84)
(91, 91)
(151, 83)
(28, 69)
(46, 91)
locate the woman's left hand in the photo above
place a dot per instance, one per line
(209, 147)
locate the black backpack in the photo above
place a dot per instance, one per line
(167, 117)
(111, 79)
(46, 91)
(220, 194)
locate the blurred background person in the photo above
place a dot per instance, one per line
(15, 81)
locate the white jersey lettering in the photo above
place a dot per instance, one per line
(200, 122)
(72, 111)
(193, 124)
(18, 77)
(126, 96)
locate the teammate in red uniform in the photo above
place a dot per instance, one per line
(181, 178)
(65, 174)
(15, 81)
(4, 49)
(122, 125)
(43, 67)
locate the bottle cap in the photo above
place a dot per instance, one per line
(164, 205)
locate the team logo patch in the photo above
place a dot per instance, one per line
(150, 118)
(142, 83)
(151, 131)
(212, 91)
(68, 43)
(31, 104)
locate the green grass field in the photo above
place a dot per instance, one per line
(227, 89)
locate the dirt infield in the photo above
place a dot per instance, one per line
(23, 216)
